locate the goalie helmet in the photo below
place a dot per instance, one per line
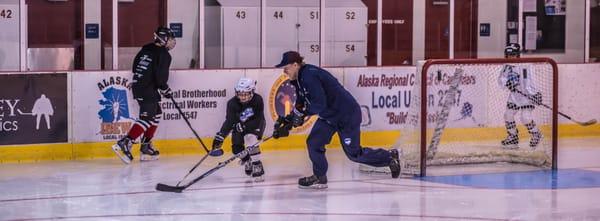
(512, 50)
(244, 89)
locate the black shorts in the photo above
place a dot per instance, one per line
(149, 110)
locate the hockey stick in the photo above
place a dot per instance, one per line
(193, 168)
(189, 124)
(197, 137)
(178, 189)
(587, 123)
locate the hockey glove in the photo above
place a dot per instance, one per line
(282, 128)
(239, 127)
(512, 83)
(216, 145)
(167, 93)
(537, 98)
(296, 118)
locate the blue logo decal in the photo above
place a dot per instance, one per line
(115, 105)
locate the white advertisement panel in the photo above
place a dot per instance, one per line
(104, 109)
(103, 106)
(384, 95)
(470, 105)
(202, 96)
(578, 91)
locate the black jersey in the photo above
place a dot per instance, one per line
(150, 72)
(251, 114)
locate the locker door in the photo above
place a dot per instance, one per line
(310, 51)
(350, 53)
(437, 29)
(350, 24)
(282, 34)
(241, 37)
(308, 34)
(308, 21)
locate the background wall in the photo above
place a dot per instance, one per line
(185, 12)
(574, 36)
(494, 13)
(92, 53)
(418, 31)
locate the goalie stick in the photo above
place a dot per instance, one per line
(587, 123)
(178, 189)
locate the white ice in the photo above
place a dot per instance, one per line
(109, 190)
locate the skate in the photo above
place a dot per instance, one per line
(536, 137)
(374, 170)
(312, 182)
(511, 142)
(123, 150)
(258, 171)
(247, 166)
(147, 152)
(395, 163)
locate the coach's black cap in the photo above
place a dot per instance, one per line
(289, 58)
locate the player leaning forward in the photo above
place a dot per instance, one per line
(245, 120)
(319, 93)
(150, 75)
(523, 97)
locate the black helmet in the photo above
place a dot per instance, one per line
(162, 34)
(512, 49)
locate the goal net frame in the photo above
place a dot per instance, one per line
(422, 121)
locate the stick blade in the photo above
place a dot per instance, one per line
(167, 188)
(590, 122)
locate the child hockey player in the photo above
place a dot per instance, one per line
(522, 98)
(150, 75)
(246, 121)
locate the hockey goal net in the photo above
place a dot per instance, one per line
(460, 115)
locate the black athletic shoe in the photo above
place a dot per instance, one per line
(395, 163)
(312, 182)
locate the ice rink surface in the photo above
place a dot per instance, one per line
(109, 190)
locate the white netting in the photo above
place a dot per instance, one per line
(466, 119)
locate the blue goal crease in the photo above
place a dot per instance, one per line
(540, 179)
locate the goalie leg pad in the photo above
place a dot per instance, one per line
(536, 135)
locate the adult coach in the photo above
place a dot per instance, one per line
(319, 93)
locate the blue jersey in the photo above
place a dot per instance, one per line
(321, 94)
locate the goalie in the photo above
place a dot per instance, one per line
(522, 98)
(246, 121)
